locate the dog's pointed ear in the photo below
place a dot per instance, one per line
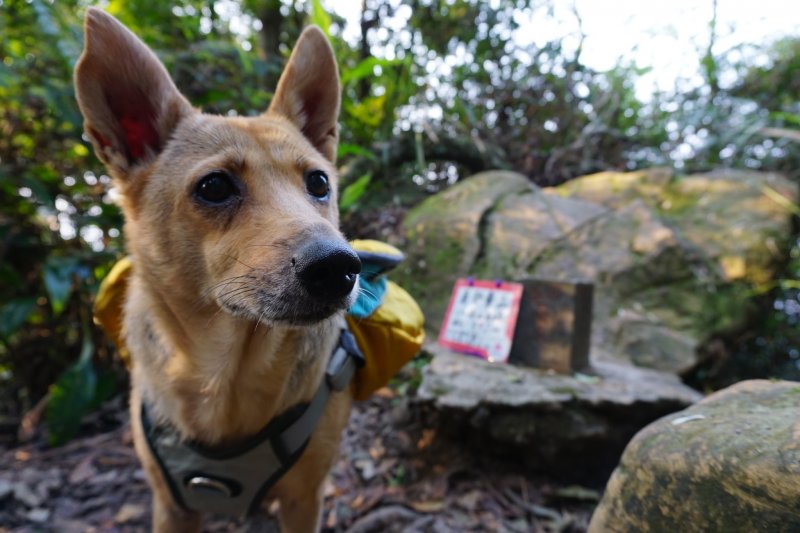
(129, 103)
(308, 92)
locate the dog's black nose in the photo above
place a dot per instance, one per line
(328, 269)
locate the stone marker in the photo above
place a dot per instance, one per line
(553, 326)
(728, 463)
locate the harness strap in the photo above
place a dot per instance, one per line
(233, 481)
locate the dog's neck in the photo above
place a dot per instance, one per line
(215, 377)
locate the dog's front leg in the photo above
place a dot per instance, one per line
(169, 518)
(302, 514)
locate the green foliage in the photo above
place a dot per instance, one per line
(15, 313)
(58, 280)
(353, 192)
(72, 395)
(54, 215)
(320, 17)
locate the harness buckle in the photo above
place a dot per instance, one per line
(343, 362)
(211, 485)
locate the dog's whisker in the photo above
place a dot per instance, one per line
(263, 246)
(239, 280)
(236, 291)
(363, 290)
(240, 261)
(258, 322)
(235, 279)
(230, 281)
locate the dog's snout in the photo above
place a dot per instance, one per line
(328, 269)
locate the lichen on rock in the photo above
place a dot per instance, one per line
(728, 463)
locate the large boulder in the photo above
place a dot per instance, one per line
(674, 260)
(728, 463)
(567, 425)
(443, 237)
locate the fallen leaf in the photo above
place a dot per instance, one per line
(357, 502)
(105, 478)
(386, 465)
(586, 378)
(83, 471)
(469, 501)
(426, 439)
(366, 468)
(400, 442)
(377, 450)
(129, 512)
(372, 496)
(576, 492)
(329, 489)
(432, 506)
(26, 495)
(6, 488)
(331, 521)
(384, 392)
(21, 455)
(39, 515)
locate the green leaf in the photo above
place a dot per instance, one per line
(14, 314)
(354, 192)
(788, 118)
(346, 149)
(105, 388)
(320, 17)
(58, 281)
(39, 190)
(367, 68)
(71, 396)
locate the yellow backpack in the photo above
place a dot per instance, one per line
(386, 321)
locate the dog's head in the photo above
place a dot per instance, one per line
(233, 212)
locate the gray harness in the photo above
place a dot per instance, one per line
(234, 481)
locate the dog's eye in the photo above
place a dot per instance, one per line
(317, 184)
(215, 188)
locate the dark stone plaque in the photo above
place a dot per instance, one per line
(554, 325)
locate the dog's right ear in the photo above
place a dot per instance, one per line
(129, 103)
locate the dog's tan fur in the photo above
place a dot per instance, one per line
(207, 357)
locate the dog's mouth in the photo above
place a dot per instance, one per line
(292, 306)
(316, 281)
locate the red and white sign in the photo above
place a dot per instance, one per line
(481, 318)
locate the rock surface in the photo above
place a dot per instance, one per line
(728, 463)
(575, 426)
(674, 260)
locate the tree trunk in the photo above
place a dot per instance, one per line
(269, 13)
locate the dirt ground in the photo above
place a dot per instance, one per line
(393, 474)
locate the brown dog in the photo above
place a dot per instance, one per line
(240, 274)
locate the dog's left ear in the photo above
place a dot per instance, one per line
(308, 92)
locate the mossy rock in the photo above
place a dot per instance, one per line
(617, 189)
(629, 248)
(738, 219)
(522, 227)
(728, 463)
(444, 238)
